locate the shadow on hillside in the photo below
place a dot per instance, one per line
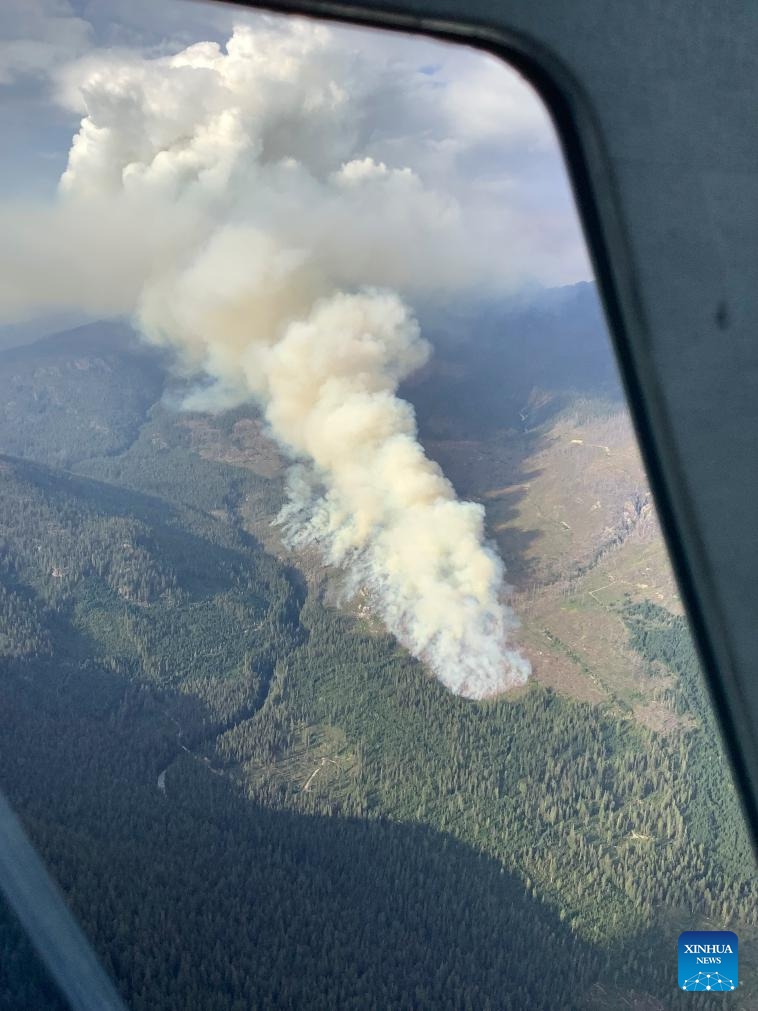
(653, 952)
(201, 898)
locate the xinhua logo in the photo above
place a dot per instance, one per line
(708, 960)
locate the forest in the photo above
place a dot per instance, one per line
(252, 798)
(440, 841)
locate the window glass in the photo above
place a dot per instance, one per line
(342, 660)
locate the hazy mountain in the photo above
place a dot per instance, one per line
(496, 365)
(28, 331)
(512, 363)
(76, 394)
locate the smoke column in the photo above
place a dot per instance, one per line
(270, 246)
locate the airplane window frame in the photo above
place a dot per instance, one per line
(587, 161)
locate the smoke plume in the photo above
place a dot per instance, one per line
(260, 229)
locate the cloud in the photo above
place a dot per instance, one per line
(38, 35)
(271, 209)
(343, 124)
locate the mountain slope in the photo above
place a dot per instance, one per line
(78, 394)
(201, 739)
(254, 798)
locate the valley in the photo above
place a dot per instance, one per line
(231, 775)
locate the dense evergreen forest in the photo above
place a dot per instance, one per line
(254, 800)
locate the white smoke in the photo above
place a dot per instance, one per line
(241, 196)
(387, 514)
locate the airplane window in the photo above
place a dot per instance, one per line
(342, 661)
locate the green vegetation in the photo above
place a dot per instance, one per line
(251, 799)
(161, 593)
(76, 395)
(161, 462)
(325, 806)
(714, 815)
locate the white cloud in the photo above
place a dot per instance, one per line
(270, 209)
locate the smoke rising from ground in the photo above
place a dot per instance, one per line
(244, 206)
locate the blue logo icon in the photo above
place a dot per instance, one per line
(708, 960)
